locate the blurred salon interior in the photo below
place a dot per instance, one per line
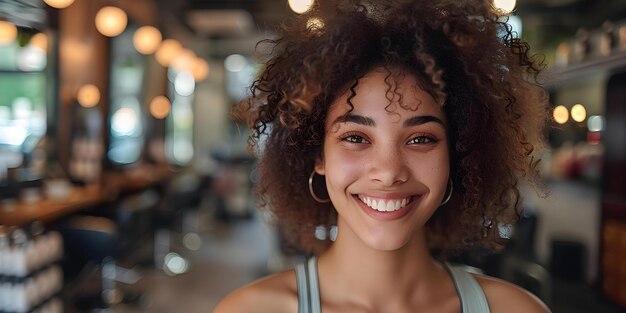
(125, 185)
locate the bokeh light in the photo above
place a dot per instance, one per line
(40, 40)
(59, 4)
(88, 96)
(8, 32)
(505, 6)
(200, 70)
(560, 114)
(300, 6)
(579, 113)
(160, 107)
(147, 39)
(168, 50)
(235, 63)
(111, 21)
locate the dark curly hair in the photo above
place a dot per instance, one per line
(462, 52)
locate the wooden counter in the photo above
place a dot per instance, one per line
(46, 210)
(113, 185)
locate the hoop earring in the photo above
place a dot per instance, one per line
(318, 199)
(449, 195)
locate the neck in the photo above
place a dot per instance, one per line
(375, 278)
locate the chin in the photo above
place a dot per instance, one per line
(385, 243)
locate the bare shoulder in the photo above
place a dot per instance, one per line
(276, 293)
(503, 296)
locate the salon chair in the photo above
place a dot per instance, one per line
(90, 246)
(100, 244)
(529, 275)
(518, 263)
(176, 215)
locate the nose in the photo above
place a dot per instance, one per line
(388, 167)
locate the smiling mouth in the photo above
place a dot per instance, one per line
(385, 205)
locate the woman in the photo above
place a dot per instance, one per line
(409, 125)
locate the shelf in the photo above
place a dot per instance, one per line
(590, 67)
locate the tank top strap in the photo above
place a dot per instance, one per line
(470, 293)
(308, 287)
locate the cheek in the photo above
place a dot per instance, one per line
(343, 162)
(342, 168)
(433, 170)
(441, 173)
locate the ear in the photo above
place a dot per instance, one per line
(320, 166)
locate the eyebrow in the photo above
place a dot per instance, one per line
(366, 121)
(422, 119)
(354, 118)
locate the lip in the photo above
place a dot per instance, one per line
(388, 216)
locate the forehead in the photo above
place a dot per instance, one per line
(395, 93)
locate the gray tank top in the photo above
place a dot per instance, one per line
(472, 297)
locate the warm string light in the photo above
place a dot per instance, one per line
(8, 32)
(111, 21)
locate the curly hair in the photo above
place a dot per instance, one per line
(462, 52)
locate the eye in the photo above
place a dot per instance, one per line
(353, 138)
(422, 140)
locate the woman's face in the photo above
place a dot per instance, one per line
(386, 169)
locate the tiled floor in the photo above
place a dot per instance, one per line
(234, 254)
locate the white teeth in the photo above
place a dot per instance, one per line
(384, 205)
(381, 206)
(391, 205)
